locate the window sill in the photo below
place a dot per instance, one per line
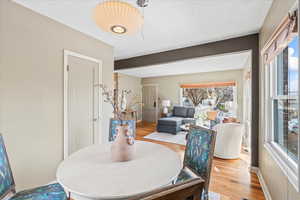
(288, 167)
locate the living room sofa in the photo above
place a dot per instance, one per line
(179, 116)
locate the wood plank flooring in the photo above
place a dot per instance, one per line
(230, 178)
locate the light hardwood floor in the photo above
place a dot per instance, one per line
(230, 178)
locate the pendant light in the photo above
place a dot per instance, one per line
(118, 17)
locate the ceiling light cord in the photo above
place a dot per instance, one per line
(143, 4)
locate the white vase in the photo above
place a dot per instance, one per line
(123, 148)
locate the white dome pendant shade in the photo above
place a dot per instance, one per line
(118, 17)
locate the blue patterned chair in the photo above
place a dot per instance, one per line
(7, 184)
(113, 125)
(198, 156)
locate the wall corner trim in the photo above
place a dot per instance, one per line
(262, 182)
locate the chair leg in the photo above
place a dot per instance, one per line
(204, 195)
(198, 194)
(14, 191)
(69, 195)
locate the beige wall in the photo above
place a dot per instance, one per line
(276, 181)
(134, 84)
(31, 89)
(169, 86)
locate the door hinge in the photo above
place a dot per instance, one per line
(68, 68)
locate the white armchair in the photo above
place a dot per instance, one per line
(229, 140)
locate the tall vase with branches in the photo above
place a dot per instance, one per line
(119, 105)
(122, 148)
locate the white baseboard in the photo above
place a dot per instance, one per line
(262, 182)
(52, 182)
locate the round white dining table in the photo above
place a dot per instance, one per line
(90, 173)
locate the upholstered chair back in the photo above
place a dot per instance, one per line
(113, 125)
(199, 153)
(7, 183)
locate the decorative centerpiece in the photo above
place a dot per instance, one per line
(122, 148)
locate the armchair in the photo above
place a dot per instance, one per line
(229, 140)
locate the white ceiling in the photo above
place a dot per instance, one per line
(169, 24)
(196, 65)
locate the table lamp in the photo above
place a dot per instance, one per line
(165, 105)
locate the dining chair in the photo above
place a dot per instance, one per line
(198, 155)
(190, 189)
(113, 125)
(7, 183)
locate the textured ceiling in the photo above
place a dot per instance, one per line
(169, 24)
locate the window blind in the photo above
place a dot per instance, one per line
(209, 85)
(282, 36)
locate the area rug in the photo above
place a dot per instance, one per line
(179, 138)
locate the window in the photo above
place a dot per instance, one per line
(283, 107)
(221, 96)
(208, 96)
(281, 92)
(285, 99)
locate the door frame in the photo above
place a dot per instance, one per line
(157, 106)
(68, 53)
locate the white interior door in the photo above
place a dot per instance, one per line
(83, 103)
(150, 103)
